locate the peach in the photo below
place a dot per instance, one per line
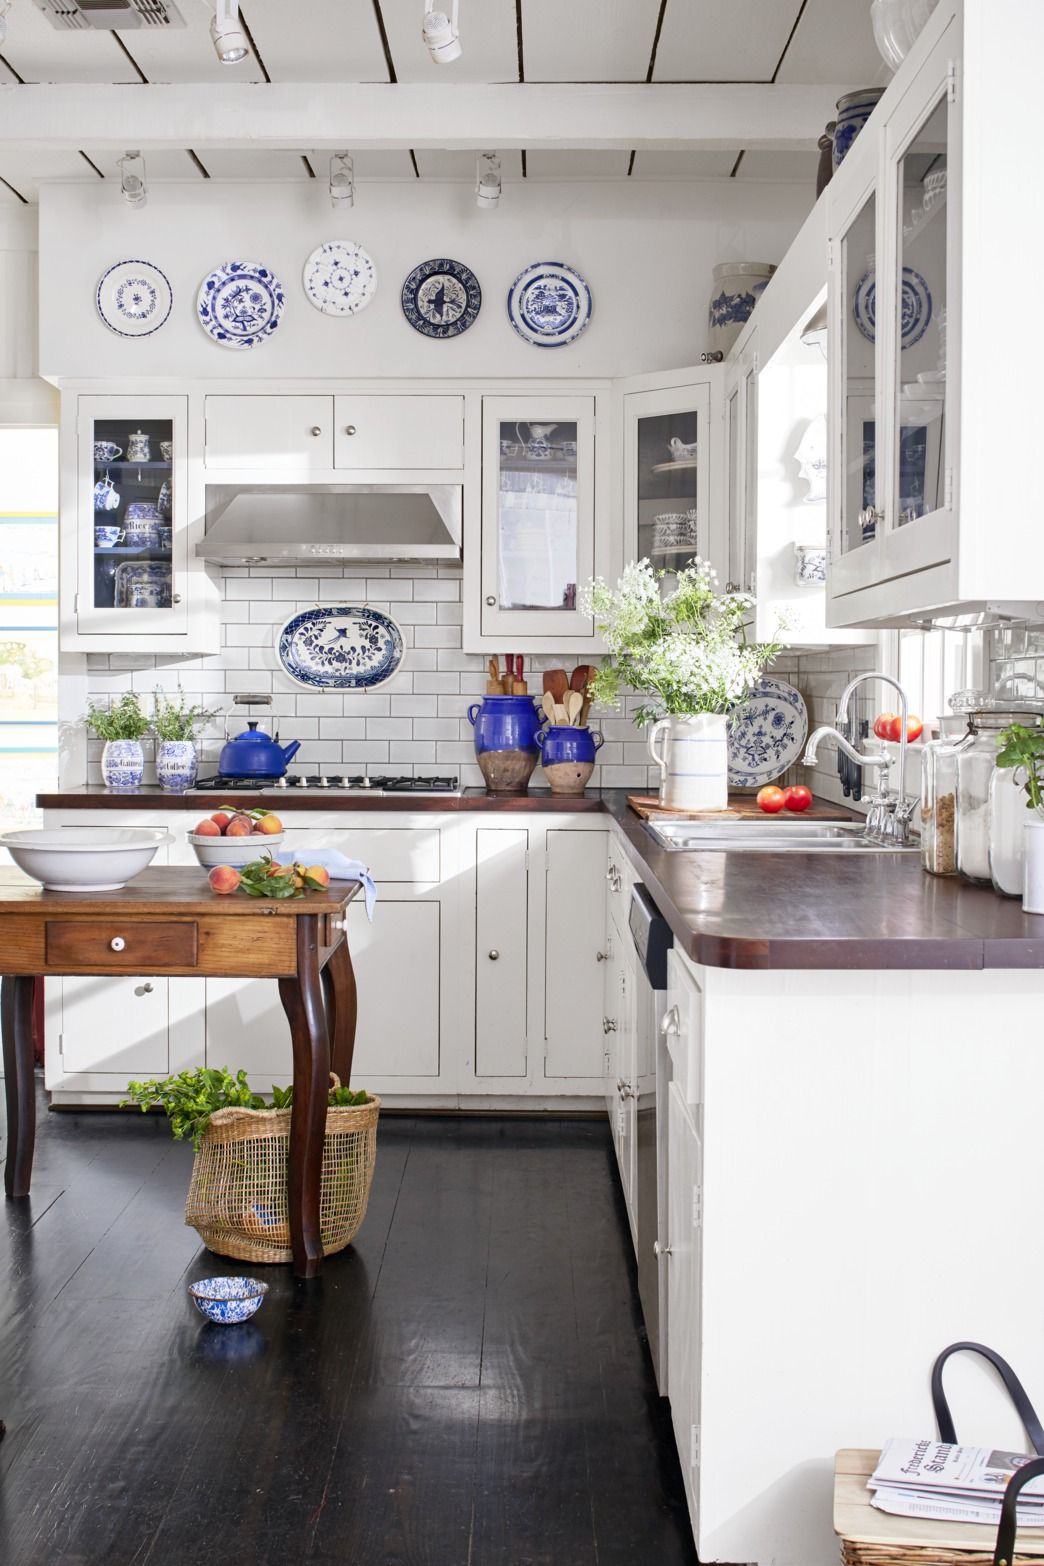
(221, 818)
(207, 828)
(257, 832)
(223, 878)
(239, 826)
(318, 873)
(269, 823)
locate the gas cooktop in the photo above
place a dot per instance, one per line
(334, 783)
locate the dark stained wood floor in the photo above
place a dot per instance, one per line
(467, 1386)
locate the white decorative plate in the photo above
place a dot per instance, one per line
(339, 277)
(240, 304)
(441, 298)
(549, 304)
(766, 733)
(339, 647)
(134, 298)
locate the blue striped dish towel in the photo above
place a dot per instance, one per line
(341, 868)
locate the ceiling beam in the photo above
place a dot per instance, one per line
(379, 116)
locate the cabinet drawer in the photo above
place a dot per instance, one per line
(399, 432)
(284, 434)
(391, 853)
(122, 945)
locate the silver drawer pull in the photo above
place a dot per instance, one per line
(608, 1024)
(490, 600)
(143, 989)
(601, 956)
(494, 955)
(671, 1021)
(349, 429)
(317, 429)
(117, 943)
(661, 1250)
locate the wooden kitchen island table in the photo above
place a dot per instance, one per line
(168, 922)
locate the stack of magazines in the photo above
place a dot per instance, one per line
(960, 1484)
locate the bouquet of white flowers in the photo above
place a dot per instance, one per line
(687, 649)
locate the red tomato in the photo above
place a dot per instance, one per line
(893, 728)
(883, 723)
(797, 797)
(771, 799)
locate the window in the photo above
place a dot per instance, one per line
(932, 665)
(28, 621)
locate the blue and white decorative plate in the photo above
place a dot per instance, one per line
(916, 306)
(441, 298)
(240, 304)
(339, 277)
(340, 648)
(134, 298)
(766, 733)
(549, 304)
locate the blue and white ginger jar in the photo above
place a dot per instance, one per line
(176, 765)
(853, 111)
(122, 763)
(738, 285)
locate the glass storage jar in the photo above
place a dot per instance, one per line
(939, 796)
(1009, 813)
(976, 761)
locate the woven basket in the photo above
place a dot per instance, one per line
(237, 1201)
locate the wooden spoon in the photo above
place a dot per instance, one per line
(548, 705)
(581, 677)
(561, 716)
(556, 682)
(574, 704)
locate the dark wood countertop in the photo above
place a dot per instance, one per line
(738, 910)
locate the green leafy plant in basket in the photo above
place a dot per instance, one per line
(191, 1097)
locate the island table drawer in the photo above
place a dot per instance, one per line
(134, 946)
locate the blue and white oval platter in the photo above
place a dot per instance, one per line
(340, 647)
(549, 304)
(240, 304)
(766, 733)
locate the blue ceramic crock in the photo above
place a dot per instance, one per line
(506, 730)
(565, 742)
(853, 111)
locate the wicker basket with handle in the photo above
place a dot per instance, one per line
(237, 1200)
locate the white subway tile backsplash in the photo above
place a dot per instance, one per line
(448, 591)
(252, 587)
(389, 728)
(437, 636)
(390, 591)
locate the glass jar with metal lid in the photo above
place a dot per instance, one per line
(976, 761)
(939, 795)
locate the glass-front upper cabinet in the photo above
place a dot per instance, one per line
(538, 515)
(131, 512)
(861, 514)
(667, 509)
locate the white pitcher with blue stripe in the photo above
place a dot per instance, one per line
(693, 761)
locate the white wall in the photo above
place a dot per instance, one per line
(647, 250)
(23, 398)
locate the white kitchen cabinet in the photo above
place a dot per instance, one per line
(682, 1026)
(934, 424)
(684, 1281)
(574, 933)
(103, 1032)
(501, 951)
(621, 1081)
(741, 490)
(291, 434)
(398, 432)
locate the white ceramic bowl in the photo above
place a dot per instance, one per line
(84, 859)
(236, 851)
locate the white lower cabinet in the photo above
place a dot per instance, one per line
(501, 951)
(620, 1057)
(103, 1032)
(684, 1324)
(574, 934)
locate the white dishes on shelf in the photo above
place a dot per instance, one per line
(339, 277)
(134, 298)
(549, 304)
(240, 304)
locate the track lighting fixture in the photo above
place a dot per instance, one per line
(441, 33)
(230, 43)
(487, 180)
(342, 180)
(132, 179)
(5, 6)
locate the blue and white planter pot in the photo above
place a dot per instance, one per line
(738, 285)
(122, 764)
(567, 755)
(853, 111)
(176, 765)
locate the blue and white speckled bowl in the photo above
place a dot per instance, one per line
(228, 1300)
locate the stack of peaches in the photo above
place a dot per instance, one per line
(235, 837)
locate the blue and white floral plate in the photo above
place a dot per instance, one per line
(339, 277)
(339, 647)
(441, 298)
(134, 298)
(766, 734)
(240, 304)
(916, 306)
(549, 304)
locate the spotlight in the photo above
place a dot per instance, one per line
(441, 33)
(342, 180)
(230, 43)
(5, 6)
(132, 179)
(487, 180)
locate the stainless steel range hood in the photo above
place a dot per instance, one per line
(271, 524)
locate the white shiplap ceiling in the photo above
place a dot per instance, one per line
(792, 42)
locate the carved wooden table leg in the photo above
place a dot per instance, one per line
(16, 1024)
(342, 1009)
(302, 999)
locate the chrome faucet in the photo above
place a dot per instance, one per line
(888, 819)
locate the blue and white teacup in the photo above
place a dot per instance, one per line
(106, 495)
(107, 451)
(107, 535)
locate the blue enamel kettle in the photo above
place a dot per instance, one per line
(254, 754)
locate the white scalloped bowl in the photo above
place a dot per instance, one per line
(84, 859)
(236, 851)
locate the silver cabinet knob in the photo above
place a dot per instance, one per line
(117, 943)
(490, 600)
(175, 598)
(661, 1250)
(143, 989)
(349, 429)
(608, 1024)
(670, 1022)
(601, 956)
(494, 955)
(317, 429)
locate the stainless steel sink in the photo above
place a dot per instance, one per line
(769, 837)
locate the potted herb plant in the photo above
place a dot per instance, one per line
(1017, 843)
(121, 726)
(175, 724)
(687, 651)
